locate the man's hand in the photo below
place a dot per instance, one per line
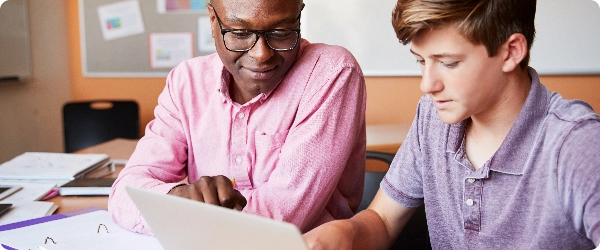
(216, 190)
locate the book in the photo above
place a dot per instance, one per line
(50, 166)
(87, 187)
(99, 172)
(90, 228)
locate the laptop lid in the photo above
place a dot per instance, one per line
(181, 223)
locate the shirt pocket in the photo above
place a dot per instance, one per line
(265, 143)
(267, 148)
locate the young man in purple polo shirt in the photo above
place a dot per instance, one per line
(498, 161)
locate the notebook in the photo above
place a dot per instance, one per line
(50, 166)
(180, 223)
(100, 186)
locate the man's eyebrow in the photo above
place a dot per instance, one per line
(235, 19)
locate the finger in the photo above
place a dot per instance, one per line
(240, 200)
(193, 192)
(208, 190)
(227, 195)
(187, 191)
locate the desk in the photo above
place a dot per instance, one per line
(115, 149)
(385, 138)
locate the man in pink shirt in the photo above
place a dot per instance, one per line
(271, 124)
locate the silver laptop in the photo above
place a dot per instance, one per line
(180, 223)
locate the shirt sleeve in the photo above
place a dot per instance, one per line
(319, 174)
(403, 181)
(157, 163)
(579, 178)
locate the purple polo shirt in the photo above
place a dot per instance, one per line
(540, 190)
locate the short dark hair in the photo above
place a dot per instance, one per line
(487, 22)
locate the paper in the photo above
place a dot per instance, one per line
(32, 190)
(206, 43)
(78, 232)
(27, 210)
(180, 6)
(120, 19)
(169, 49)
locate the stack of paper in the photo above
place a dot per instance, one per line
(39, 174)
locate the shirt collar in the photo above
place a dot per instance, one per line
(515, 149)
(223, 88)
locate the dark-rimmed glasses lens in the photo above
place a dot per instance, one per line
(241, 40)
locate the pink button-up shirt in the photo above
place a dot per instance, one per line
(297, 153)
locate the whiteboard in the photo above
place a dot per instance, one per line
(567, 40)
(15, 59)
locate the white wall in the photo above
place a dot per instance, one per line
(30, 112)
(566, 43)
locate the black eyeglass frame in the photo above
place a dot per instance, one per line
(257, 33)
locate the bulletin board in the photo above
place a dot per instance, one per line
(567, 39)
(129, 56)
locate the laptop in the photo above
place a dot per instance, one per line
(180, 223)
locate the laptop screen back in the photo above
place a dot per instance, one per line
(180, 223)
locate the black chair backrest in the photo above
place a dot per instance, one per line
(415, 235)
(88, 123)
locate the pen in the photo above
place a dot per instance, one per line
(233, 182)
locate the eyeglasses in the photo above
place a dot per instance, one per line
(242, 40)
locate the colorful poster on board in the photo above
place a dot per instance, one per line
(179, 6)
(169, 49)
(120, 19)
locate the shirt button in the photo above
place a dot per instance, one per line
(241, 115)
(469, 202)
(471, 180)
(238, 160)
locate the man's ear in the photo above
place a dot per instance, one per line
(514, 51)
(213, 20)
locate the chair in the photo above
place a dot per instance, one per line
(88, 123)
(415, 235)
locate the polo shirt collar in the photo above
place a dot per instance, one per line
(511, 157)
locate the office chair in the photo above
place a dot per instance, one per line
(415, 235)
(88, 123)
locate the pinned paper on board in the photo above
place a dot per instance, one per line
(206, 43)
(169, 49)
(120, 19)
(181, 6)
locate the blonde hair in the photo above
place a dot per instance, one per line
(487, 22)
